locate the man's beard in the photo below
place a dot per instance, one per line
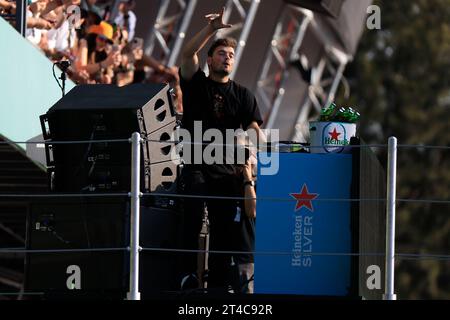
(220, 72)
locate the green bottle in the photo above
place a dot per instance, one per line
(327, 112)
(332, 113)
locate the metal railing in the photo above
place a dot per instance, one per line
(135, 196)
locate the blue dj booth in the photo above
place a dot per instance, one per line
(309, 231)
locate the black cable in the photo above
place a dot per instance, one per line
(54, 76)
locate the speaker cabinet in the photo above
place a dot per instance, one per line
(77, 224)
(97, 232)
(160, 229)
(107, 112)
(167, 149)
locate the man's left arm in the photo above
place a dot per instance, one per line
(259, 133)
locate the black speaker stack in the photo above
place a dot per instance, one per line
(96, 233)
(106, 112)
(95, 230)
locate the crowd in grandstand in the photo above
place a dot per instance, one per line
(100, 49)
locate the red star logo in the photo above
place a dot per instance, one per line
(304, 198)
(334, 135)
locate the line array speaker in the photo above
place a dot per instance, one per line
(107, 112)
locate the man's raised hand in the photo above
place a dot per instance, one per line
(216, 20)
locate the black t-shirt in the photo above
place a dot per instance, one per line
(220, 106)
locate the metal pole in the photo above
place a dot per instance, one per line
(303, 114)
(390, 220)
(336, 81)
(159, 18)
(135, 194)
(244, 35)
(293, 51)
(182, 33)
(21, 16)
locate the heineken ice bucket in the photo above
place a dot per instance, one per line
(331, 137)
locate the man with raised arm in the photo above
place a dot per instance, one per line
(218, 103)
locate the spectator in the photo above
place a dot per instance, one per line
(45, 14)
(120, 36)
(161, 73)
(35, 23)
(125, 72)
(51, 5)
(7, 7)
(99, 52)
(126, 17)
(93, 53)
(61, 40)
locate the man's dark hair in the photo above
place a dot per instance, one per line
(226, 42)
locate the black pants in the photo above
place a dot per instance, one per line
(221, 214)
(192, 183)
